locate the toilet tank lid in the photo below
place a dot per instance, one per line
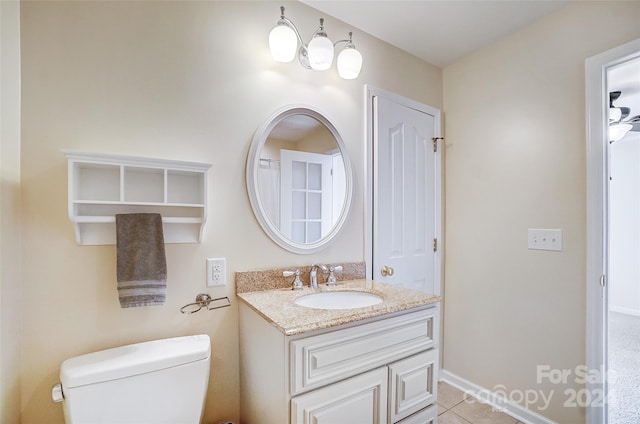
(134, 359)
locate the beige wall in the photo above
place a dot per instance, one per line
(10, 288)
(515, 129)
(183, 80)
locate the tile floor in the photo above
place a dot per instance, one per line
(454, 409)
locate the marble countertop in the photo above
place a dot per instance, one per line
(278, 307)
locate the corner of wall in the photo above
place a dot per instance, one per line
(10, 287)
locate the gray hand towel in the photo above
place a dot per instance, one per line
(141, 261)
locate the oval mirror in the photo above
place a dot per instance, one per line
(299, 179)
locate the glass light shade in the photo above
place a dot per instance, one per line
(283, 43)
(615, 113)
(349, 63)
(619, 130)
(320, 53)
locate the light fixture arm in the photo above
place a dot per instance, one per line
(349, 41)
(291, 25)
(303, 52)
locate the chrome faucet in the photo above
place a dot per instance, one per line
(313, 275)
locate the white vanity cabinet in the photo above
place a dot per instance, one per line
(102, 185)
(378, 371)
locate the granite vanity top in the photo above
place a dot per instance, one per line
(278, 307)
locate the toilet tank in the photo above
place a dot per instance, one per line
(161, 381)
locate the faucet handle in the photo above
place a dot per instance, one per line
(331, 279)
(297, 283)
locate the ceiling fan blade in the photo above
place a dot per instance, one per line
(613, 96)
(625, 112)
(635, 122)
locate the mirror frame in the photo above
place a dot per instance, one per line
(253, 161)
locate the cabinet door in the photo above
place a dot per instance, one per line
(413, 384)
(361, 399)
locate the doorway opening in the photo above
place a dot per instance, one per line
(607, 210)
(623, 316)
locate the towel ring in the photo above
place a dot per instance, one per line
(203, 300)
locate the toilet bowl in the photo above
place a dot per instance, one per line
(161, 381)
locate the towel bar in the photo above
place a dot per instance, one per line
(203, 300)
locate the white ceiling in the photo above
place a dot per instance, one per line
(439, 32)
(442, 31)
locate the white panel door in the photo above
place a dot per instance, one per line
(361, 399)
(404, 195)
(306, 195)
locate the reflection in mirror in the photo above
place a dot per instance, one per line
(302, 184)
(301, 179)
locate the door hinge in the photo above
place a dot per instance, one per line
(435, 245)
(435, 143)
(603, 280)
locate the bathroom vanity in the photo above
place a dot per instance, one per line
(374, 364)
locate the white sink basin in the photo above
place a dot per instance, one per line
(338, 300)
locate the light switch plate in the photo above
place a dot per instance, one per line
(544, 239)
(216, 272)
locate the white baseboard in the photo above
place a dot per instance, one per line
(495, 400)
(627, 311)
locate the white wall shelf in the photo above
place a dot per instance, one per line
(103, 185)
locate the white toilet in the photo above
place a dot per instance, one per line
(162, 381)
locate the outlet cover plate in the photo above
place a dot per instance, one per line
(544, 239)
(216, 272)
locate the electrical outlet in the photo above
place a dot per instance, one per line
(216, 272)
(544, 239)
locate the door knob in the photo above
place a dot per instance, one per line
(386, 271)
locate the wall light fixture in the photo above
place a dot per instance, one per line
(318, 54)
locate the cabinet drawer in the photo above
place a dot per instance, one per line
(329, 357)
(426, 416)
(359, 399)
(413, 384)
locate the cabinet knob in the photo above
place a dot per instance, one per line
(386, 271)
